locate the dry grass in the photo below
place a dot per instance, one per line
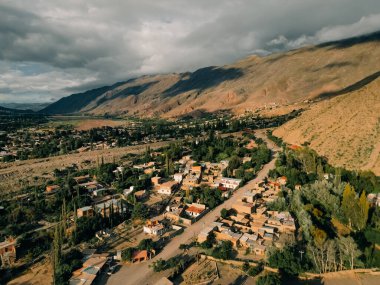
(17, 174)
(345, 129)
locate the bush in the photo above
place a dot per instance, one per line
(223, 251)
(269, 279)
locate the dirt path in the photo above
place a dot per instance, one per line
(142, 273)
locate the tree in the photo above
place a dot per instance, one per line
(349, 251)
(224, 213)
(364, 207)
(269, 279)
(140, 211)
(355, 210)
(57, 251)
(287, 260)
(146, 244)
(223, 251)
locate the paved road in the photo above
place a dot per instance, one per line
(142, 274)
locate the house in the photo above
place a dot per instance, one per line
(104, 208)
(195, 210)
(178, 177)
(282, 180)
(230, 183)
(82, 179)
(202, 236)
(52, 188)
(92, 266)
(259, 249)
(248, 240)
(196, 169)
(140, 256)
(243, 207)
(8, 251)
(87, 211)
(374, 199)
(228, 235)
(190, 181)
(139, 195)
(167, 188)
(154, 228)
(156, 180)
(126, 192)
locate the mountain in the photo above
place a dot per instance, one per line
(345, 129)
(7, 111)
(308, 73)
(75, 102)
(26, 106)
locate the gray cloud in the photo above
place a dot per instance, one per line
(72, 45)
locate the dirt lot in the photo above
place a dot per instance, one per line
(83, 124)
(39, 274)
(21, 173)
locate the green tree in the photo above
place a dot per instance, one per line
(269, 279)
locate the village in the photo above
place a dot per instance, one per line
(123, 214)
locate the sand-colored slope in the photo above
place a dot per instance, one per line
(345, 129)
(251, 83)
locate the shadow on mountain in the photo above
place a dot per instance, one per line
(331, 66)
(132, 90)
(356, 86)
(346, 43)
(202, 79)
(76, 102)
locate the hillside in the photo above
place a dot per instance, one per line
(254, 82)
(345, 129)
(8, 111)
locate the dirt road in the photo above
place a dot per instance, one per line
(142, 274)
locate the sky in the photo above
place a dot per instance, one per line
(50, 49)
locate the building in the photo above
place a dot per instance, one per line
(8, 252)
(178, 177)
(195, 210)
(228, 235)
(154, 228)
(92, 266)
(87, 211)
(230, 183)
(202, 236)
(243, 207)
(140, 256)
(82, 179)
(139, 195)
(52, 188)
(196, 169)
(167, 188)
(104, 208)
(156, 180)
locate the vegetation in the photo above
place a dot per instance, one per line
(337, 228)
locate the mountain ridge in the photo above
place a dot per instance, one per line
(308, 73)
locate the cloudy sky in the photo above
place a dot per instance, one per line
(50, 48)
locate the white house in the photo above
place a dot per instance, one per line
(178, 177)
(154, 228)
(167, 188)
(230, 183)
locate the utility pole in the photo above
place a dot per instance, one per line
(301, 252)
